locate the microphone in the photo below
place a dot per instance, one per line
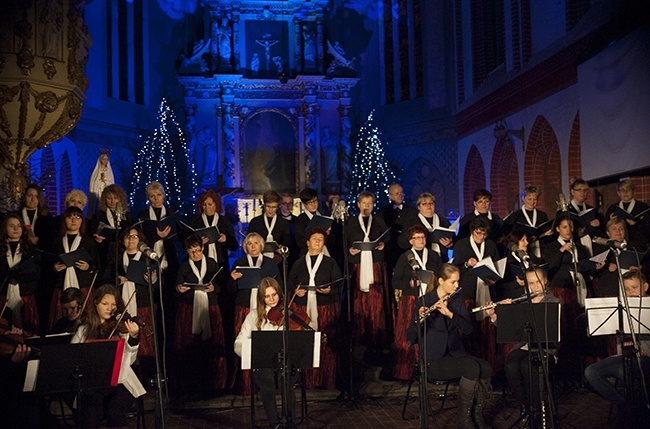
(410, 257)
(563, 204)
(118, 212)
(521, 254)
(610, 243)
(142, 247)
(339, 210)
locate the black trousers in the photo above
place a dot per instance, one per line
(469, 367)
(112, 403)
(265, 380)
(516, 369)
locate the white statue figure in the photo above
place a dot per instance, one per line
(209, 144)
(278, 63)
(330, 155)
(255, 64)
(101, 177)
(267, 50)
(224, 33)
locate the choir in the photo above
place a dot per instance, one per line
(52, 263)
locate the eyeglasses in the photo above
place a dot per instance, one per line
(482, 202)
(133, 237)
(74, 216)
(286, 204)
(428, 204)
(194, 252)
(310, 202)
(480, 233)
(418, 237)
(581, 190)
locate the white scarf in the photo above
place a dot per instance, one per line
(430, 227)
(129, 287)
(489, 214)
(482, 289)
(534, 246)
(581, 287)
(269, 231)
(159, 246)
(110, 218)
(13, 290)
(423, 264)
(312, 304)
(212, 247)
(252, 303)
(70, 279)
(200, 312)
(577, 207)
(311, 215)
(366, 276)
(630, 207)
(27, 221)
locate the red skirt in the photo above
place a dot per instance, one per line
(325, 375)
(199, 363)
(242, 382)
(55, 307)
(28, 312)
(372, 310)
(405, 356)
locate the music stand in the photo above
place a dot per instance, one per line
(263, 352)
(516, 324)
(76, 368)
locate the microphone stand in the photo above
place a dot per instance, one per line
(627, 373)
(422, 358)
(160, 379)
(118, 221)
(544, 379)
(286, 418)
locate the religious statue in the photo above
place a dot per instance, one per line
(266, 44)
(255, 64)
(209, 143)
(330, 156)
(224, 33)
(101, 177)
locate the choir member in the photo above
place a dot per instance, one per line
(482, 200)
(270, 296)
(135, 292)
(322, 304)
(639, 228)
(309, 199)
(372, 303)
(530, 216)
(410, 289)
(286, 207)
(269, 225)
(20, 271)
(513, 281)
(395, 215)
(80, 275)
(112, 216)
(199, 337)
(77, 198)
(112, 403)
(209, 209)
(516, 364)
(445, 355)
(578, 204)
(246, 299)
(428, 218)
(286, 211)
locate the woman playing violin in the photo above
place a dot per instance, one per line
(444, 349)
(246, 299)
(269, 296)
(100, 322)
(322, 304)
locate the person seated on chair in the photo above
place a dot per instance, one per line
(269, 296)
(516, 364)
(598, 374)
(72, 300)
(444, 349)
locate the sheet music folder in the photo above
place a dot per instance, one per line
(514, 317)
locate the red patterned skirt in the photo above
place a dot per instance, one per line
(325, 375)
(28, 312)
(242, 381)
(372, 310)
(201, 365)
(405, 356)
(55, 307)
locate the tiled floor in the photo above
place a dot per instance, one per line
(380, 407)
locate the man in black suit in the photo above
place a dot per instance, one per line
(395, 214)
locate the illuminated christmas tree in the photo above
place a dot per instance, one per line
(163, 158)
(370, 169)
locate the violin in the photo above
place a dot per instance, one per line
(117, 323)
(10, 340)
(298, 318)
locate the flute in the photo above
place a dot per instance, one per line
(431, 309)
(524, 297)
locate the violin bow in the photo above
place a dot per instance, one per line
(83, 306)
(4, 307)
(121, 316)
